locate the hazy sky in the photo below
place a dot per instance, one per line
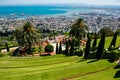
(27, 2)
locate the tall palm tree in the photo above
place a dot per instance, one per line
(27, 35)
(78, 29)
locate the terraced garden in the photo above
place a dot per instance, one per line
(56, 67)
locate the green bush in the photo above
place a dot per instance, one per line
(110, 48)
(112, 56)
(49, 48)
(92, 55)
(79, 53)
(94, 48)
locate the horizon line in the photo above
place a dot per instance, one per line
(77, 4)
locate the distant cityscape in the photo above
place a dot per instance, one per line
(99, 18)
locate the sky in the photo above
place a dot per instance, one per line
(30, 2)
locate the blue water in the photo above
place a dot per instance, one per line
(31, 10)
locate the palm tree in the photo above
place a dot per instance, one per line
(27, 35)
(78, 29)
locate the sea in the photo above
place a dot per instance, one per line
(31, 10)
(42, 10)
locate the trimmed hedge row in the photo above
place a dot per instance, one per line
(112, 56)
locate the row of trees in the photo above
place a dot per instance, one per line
(59, 48)
(79, 30)
(100, 49)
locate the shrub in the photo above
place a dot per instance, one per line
(79, 53)
(92, 55)
(112, 56)
(76, 42)
(94, 48)
(49, 48)
(110, 48)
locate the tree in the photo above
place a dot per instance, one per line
(7, 47)
(78, 43)
(87, 49)
(49, 48)
(40, 47)
(57, 51)
(100, 47)
(88, 34)
(27, 35)
(95, 41)
(113, 42)
(60, 48)
(66, 49)
(78, 29)
(107, 31)
(118, 31)
(72, 48)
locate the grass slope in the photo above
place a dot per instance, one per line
(51, 68)
(110, 74)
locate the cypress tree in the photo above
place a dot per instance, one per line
(113, 42)
(60, 48)
(7, 47)
(66, 49)
(57, 51)
(95, 41)
(88, 34)
(40, 49)
(72, 48)
(87, 49)
(100, 47)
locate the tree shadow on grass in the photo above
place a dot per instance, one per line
(93, 61)
(117, 74)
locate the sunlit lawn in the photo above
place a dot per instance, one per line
(51, 68)
(58, 67)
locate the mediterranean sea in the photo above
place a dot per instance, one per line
(45, 10)
(31, 10)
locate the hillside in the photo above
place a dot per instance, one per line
(55, 68)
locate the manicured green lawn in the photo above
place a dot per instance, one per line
(109, 39)
(110, 74)
(52, 68)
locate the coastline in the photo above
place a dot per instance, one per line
(22, 12)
